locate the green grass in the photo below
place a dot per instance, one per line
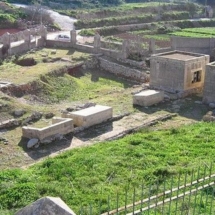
(10, 71)
(207, 32)
(88, 175)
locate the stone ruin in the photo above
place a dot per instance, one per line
(61, 126)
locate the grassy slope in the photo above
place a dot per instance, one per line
(87, 175)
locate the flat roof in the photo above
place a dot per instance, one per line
(179, 56)
(91, 110)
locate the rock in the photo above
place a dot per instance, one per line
(46, 206)
(59, 137)
(32, 142)
(212, 105)
(70, 109)
(166, 97)
(36, 115)
(54, 51)
(48, 115)
(198, 102)
(18, 113)
(47, 140)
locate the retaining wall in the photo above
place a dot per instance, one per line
(197, 45)
(123, 71)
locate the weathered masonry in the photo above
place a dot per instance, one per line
(209, 86)
(90, 116)
(177, 71)
(59, 126)
(148, 97)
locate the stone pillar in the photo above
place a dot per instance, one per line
(173, 43)
(152, 46)
(124, 49)
(73, 36)
(43, 32)
(6, 44)
(27, 36)
(97, 42)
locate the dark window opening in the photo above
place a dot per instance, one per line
(196, 77)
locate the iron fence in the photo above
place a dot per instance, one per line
(191, 193)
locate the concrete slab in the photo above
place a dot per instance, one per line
(90, 116)
(148, 97)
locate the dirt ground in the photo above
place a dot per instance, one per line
(186, 111)
(9, 30)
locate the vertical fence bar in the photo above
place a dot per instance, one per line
(206, 201)
(179, 177)
(108, 204)
(81, 210)
(194, 204)
(189, 198)
(184, 189)
(212, 197)
(149, 198)
(91, 209)
(200, 202)
(126, 199)
(100, 206)
(170, 202)
(156, 199)
(117, 203)
(142, 192)
(164, 188)
(133, 207)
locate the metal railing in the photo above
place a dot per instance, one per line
(191, 193)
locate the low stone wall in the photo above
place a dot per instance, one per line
(59, 126)
(19, 48)
(123, 71)
(197, 45)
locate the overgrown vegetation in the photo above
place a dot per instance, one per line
(88, 175)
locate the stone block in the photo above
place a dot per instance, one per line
(148, 97)
(59, 126)
(90, 116)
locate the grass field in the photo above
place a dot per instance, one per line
(88, 175)
(10, 71)
(208, 32)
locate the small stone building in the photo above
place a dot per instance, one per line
(209, 86)
(178, 71)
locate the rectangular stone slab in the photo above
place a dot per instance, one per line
(91, 116)
(148, 97)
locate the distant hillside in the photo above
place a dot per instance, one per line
(91, 3)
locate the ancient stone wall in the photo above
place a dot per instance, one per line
(123, 71)
(59, 126)
(209, 86)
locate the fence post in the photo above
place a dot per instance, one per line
(108, 204)
(170, 196)
(126, 199)
(134, 193)
(141, 198)
(117, 203)
(164, 188)
(149, 198)
(179, 177)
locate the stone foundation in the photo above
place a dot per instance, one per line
(90, 116)
(59, 126)
(148, 97)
